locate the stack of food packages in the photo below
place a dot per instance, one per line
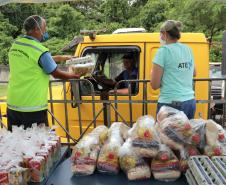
(27, 155)
(85, 153)
(132, 164)
(190, 137)
(165, 166)
(108, 158)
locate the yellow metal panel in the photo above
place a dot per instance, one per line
(143, 37)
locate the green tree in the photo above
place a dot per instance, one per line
(6, 39)
(150, 15)
(66, 23)
(116, 11)
(206, 16)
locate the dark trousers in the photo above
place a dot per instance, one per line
(26, 118)
(188, 107)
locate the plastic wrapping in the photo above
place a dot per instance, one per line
(215, 133)
(108, 157)
(133, 165)
(165, 166)
(175, 131)
(25, 154)
(81, 66)
(145, 140)
(165, 112)
(215, 150)
(185, 153)
(215, 139)
(85, 153)
(198, 133)
(37, 166)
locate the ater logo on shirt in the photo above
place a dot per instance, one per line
(185, 65)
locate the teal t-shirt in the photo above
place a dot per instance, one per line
(177, 62)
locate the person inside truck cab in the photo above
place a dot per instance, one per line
(130, 73)
(173, 70)
(30, 65)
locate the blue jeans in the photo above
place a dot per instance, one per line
(188, 107)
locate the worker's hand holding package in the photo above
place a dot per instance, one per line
(132, 164)
(145, 140)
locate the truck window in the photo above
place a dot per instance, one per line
(110, 67)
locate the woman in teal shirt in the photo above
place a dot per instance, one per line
(173, 70)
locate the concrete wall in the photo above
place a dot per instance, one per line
(4, 73)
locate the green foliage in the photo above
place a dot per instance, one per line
(6, 30)
(55, 45)
(150, 15)
(66, 23)
(116, 11)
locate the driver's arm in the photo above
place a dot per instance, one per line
(121, 91)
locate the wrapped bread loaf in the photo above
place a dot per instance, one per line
(108, 158)
(145, 140)
(165, 112)
(185, 153)
(85, 153)
(133, 165)
(165, 166)
(175, 131)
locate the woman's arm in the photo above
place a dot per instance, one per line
(156, 76)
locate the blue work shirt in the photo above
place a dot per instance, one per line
(125, 75)
(46, 61)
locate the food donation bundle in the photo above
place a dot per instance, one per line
(85, 153)
(108, 160)
(81, 66)
(27, 155)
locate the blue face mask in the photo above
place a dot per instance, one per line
(45, 37)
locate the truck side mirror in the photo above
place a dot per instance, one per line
(223, 68)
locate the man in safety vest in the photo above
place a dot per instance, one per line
(30, 67)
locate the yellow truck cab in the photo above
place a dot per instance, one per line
(107, 51)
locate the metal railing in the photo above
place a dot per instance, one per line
(108, 104)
